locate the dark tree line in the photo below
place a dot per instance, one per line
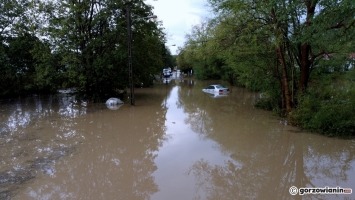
(47, 45)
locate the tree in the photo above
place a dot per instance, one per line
(282, 41)
(199, 53)
(12, 17)
(93, 37)
(281, 48)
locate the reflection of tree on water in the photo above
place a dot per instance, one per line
(193, 106)
(270, 176)
(38, 138)
(114, 151)
(122, 147)
(265, 161)
(32, 138)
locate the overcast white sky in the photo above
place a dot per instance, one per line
(178, 17)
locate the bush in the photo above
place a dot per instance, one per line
(268, 102)
(328, 107)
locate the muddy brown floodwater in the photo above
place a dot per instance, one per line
(177, 143)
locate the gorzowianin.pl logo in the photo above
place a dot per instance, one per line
(325, 190)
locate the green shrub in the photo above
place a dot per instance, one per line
(328, 107)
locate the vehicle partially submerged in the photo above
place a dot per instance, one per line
(216, 89)
(167, 72)
(114, 103)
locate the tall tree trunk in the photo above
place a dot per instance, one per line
(279, 32)
(284, 80)
(305, 66)
(305, 50)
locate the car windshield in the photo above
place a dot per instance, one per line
(219, 86)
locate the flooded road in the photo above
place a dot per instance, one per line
(177, 143)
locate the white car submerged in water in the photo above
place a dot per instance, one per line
(216, 89)
(114, 103)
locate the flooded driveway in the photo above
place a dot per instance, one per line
(177, 143)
